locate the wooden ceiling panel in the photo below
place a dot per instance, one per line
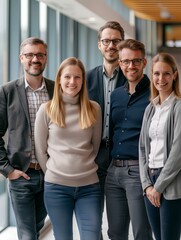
(159, 11)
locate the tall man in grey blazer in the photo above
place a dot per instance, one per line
(19, 102)
(101, 81)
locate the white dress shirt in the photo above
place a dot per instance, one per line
(156, 131)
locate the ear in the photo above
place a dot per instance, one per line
(120, 63)
(144, 62)
(99, 45)
(175, 75)
(21, 57)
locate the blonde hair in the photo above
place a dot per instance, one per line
(170, 60)
(55, 108)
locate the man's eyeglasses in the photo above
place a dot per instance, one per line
(30, 56)
(135, 61)
(106, 42)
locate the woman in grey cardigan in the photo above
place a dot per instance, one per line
(160, 150)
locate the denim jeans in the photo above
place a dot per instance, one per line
(28, 204)
(165, 220)
(61, 201)
(125, 202)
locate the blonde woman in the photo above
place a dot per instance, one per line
(67, 139)
(160, 155)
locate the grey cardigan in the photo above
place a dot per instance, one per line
(169, 180)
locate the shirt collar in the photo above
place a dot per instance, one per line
(43, 85)
(116, 70)
(167, 101)
(140, 86)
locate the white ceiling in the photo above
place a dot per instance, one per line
(92, 13)
(77, 11)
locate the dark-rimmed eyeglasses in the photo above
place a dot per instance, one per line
(30, 56)
(135, 61)
(106, 42)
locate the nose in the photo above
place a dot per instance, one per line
(131, 64)
(34, 55)
(111, 44)
(161, 76)
(72, 80)
(35, 58)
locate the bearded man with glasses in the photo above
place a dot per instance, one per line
(124, 194)
(101, 81)
(20, 100)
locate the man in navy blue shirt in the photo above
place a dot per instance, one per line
(124, 194)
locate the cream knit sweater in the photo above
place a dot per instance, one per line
(67, 155)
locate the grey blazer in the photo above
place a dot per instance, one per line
(14, 117)
(169, 180)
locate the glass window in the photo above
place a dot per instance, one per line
(172, 35)
(3, 79)
(3, 203)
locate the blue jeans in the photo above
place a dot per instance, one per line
(125, 202)
(28, 204)
(61, 201)
(165, 220)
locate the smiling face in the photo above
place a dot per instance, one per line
(109, 52)
(163, 77)
(71, 80)
(33, 66)
(133, 72)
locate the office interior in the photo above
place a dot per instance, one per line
(69, 27)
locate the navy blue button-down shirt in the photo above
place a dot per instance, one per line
(126, 114)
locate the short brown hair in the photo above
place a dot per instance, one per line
(32, 41)
(132, 44)
(111, 24)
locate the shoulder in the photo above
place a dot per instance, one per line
(43, 107)
(177, 105)
(42, 111)
(177, 102)
(94, 70)
(49, 82)
(12, 84)
(42, 115)
(118, 90)
(95, 104)
(149, 109)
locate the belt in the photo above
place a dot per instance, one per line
(35, 166)
(123, 163)
(154, 170)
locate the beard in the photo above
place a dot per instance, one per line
(111, 61)
(111, 58)
(35, 74)
(33, 71)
